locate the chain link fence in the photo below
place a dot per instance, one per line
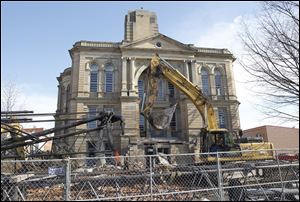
(182, 177)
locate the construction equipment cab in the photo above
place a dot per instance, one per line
(12, 131)
(212, 137)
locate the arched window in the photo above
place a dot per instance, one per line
(68, 96)
(219, 83)
(160, 90)
(109, 78)
(62, 98)
(94, 78)
(205, 82)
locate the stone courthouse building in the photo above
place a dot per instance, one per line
(111, 76)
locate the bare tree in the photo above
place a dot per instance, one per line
(272, 58)
(9, 95)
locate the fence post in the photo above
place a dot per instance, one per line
(280, 176)
(220, 178)
(67, 179)
(151, 190)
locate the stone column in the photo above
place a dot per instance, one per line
(194, 71)
(130, 113)
(230, 77)
(124, 77)
(101, 79)
(131, 83)
(186, 69)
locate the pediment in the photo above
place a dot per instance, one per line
(158, 41)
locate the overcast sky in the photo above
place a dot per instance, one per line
(36, 37)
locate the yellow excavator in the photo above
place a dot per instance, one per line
(13, 131)
(213, 139)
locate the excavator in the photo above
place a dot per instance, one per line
(12, 131)
(212, 138)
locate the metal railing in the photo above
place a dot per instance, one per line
(152, 177)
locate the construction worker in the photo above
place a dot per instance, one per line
(218, 145)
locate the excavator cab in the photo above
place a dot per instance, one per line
(219, 140)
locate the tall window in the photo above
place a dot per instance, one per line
(142, 123)
(205, 82)
(222, 113)
(171, 89)
(65, 130)
(141, 94)
(219, 84)
(141, 88)
(62, 98)
(173, 122)
(108, 78)
(68, 98)
(92, 114)
(91, 149)
(94, 78)
(152, 19)
(160, 90)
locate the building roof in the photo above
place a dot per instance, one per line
(117, 45)
(33, 130)
(271, 126)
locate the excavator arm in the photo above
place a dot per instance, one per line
(161, 67)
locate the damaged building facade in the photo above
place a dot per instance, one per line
(111, 77)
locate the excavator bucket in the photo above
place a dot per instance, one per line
(161, 119)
